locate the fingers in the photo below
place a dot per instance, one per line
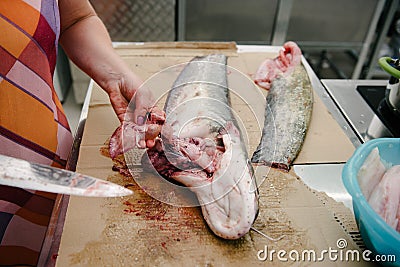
(142, 143)
(150, 143)
(148, 115)
(115, 145)
(140, 120)
(119, 104)
(144, 98)
(157, 115)
(152, 131)
(143, 117)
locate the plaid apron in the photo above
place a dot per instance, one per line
(33, 125)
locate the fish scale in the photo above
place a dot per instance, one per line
(197, 108)
(198, 98)
(287, 116)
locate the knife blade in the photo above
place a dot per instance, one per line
(327, 178)
(28, 175)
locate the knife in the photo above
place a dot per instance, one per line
(24, 174)
(325, 177)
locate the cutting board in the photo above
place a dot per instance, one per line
(141, 231)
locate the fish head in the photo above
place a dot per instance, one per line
(232, 195)
(232, 214)
(222, 178)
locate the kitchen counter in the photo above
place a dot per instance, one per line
(354, 115)
(353, 108)
(324, 146)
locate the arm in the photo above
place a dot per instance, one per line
(87, 43)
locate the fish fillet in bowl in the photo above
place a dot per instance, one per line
(368, 177)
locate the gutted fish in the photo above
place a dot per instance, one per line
(129, 134)
(288, 109)
(385, 198)
(202, 148)
(370, 173)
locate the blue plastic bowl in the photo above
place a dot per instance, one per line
(378, 236)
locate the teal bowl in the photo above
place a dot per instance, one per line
(381, 239)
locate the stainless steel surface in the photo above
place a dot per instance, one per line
(331, 106)
(73, 156)
(326, 21)
(138, 20)
(342, 24)
(325, 178)
(52, 243)
(249, 21)
(282, 22)
(315, 25)
(24, 174)
(373, 68)
(365, 49)
(181, 20)
(351, 104)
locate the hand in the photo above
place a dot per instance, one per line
(121, 89)
(141, 121)
(144, 113)
(144, 109)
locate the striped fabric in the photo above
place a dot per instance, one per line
(32, 122)
(24, 218)
(33, 125)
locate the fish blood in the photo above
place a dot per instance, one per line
(202, 148)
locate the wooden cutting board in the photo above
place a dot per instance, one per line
(141, 231)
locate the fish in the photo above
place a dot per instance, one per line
(128, 134)
(385, 198)
(202, 148)
(380, 185)
(288, 108)
(370, 173)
